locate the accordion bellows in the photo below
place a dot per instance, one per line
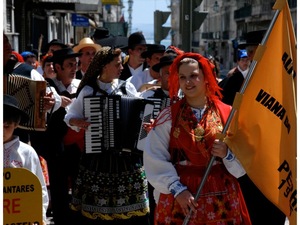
(30, 95)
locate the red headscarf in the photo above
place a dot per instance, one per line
(175, 50)
(213, 90)
(17, 56)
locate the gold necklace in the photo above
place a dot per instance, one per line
(199, 131)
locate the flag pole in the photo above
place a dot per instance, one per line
(243, 88)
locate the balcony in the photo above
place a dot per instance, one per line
(262, 9)
(292, 4)
(208, 35)
(243, 12)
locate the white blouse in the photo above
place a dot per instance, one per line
(76, 108)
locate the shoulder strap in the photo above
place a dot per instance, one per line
(121, 87)
(52, 84)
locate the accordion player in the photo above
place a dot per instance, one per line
(116, 123)
(30, 94)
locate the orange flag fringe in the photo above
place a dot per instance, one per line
(262, 133)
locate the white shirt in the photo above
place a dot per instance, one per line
(150, 93)
(157, 160)
(244, 72)
(76, 109)
(138, 79)
(40, 70)
(20, 155)
(137, 70)
(72, 88)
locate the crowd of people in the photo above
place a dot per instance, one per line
(126, 185)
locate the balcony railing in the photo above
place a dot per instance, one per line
(215, 35)
(208, 35)
(243, 12)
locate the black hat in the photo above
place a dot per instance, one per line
(100, 33)
(64, 53)
(121, 42)
(136, 38)
(11, 105)
(55, 42)
(113, 41)
(253, 38)
(164, 61)
(102, 37)
(153, 48)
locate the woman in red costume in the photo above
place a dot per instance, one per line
(180, 146)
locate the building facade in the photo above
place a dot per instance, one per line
(33, 23)
(225, 25)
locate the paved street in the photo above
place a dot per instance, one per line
(50, 222)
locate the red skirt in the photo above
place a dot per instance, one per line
(221, 201)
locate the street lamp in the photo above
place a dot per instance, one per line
(216, 6)
(130, 3)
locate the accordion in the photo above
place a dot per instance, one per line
(116, 123)
(29, 94)
(159, 104)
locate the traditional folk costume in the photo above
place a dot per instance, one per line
(176, 157)
(110, 186)
(17, 154)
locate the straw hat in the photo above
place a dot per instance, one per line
(86, 42)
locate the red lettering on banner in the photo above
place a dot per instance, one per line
(12, 205)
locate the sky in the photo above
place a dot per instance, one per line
(142, 14)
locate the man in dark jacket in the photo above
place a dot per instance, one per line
(234, 80)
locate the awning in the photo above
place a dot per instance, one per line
(60, 1)
(110, 2)
(78, 6)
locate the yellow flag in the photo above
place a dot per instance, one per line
(262, 133)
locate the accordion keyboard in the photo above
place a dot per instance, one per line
(116, 123)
